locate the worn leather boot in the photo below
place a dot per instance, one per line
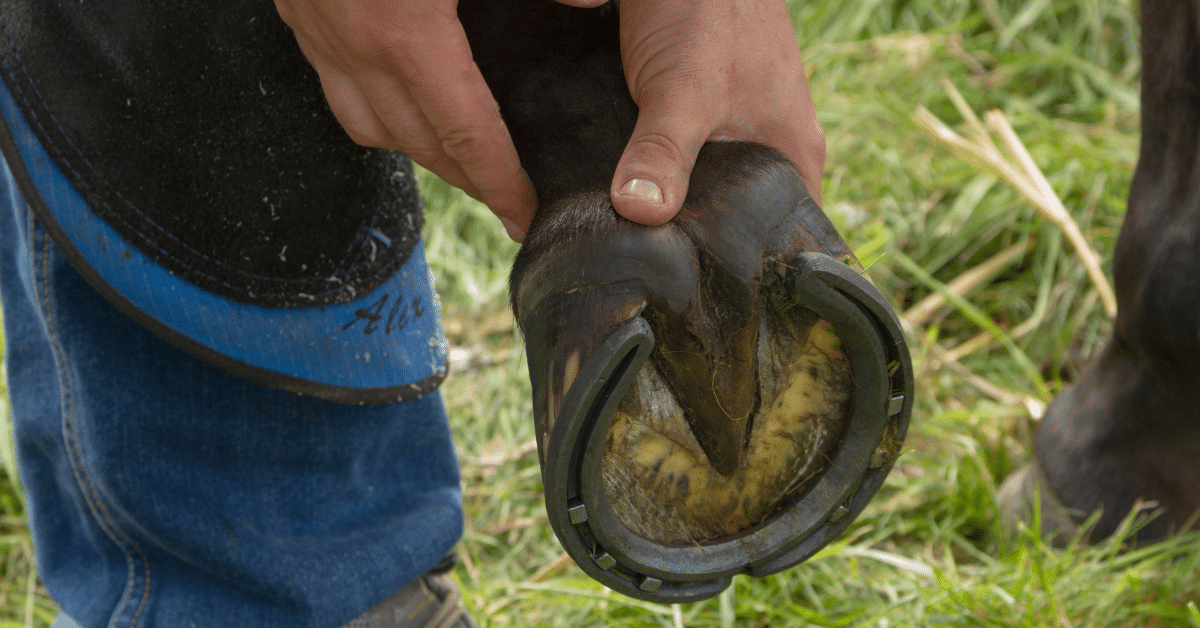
(431, 601)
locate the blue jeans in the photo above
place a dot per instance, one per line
(165, 492)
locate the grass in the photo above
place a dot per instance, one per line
(928, 551)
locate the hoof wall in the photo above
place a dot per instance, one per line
(716, 396)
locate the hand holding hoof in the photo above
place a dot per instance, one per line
(712, 396)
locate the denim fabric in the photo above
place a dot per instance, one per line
(165, 492)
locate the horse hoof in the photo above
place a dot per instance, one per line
(1025, 496)
(715, 396)
(1120, 441)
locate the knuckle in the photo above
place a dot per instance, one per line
(403, 44)
(401, 52)
(463, 146)
(367, 137)
(430, 158)
(383, 44)
(661, 147)
(358, 122)
(435, 161)
(375, 42)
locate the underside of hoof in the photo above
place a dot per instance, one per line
(719, 395)
(657, 476)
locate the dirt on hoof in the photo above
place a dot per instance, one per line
(746, 392)
(661, 484)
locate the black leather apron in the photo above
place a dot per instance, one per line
(182, 155)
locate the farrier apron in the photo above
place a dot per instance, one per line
(182, 155)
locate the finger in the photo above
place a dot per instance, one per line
(370, 86)
(446, 88)
(651, 180)
(358, 118)
(798, 134)
(426, 148)
(809, 156)
(347, 101)
(420, 141)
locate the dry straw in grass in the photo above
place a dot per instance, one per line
(1018, 170)
(928, 308)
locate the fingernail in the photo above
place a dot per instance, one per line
(643, 189)
(514, 232)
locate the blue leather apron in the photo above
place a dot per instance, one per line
(182, 155)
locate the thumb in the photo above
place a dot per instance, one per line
(651, 180)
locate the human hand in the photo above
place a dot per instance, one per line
(400, 75)
(708, 70)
